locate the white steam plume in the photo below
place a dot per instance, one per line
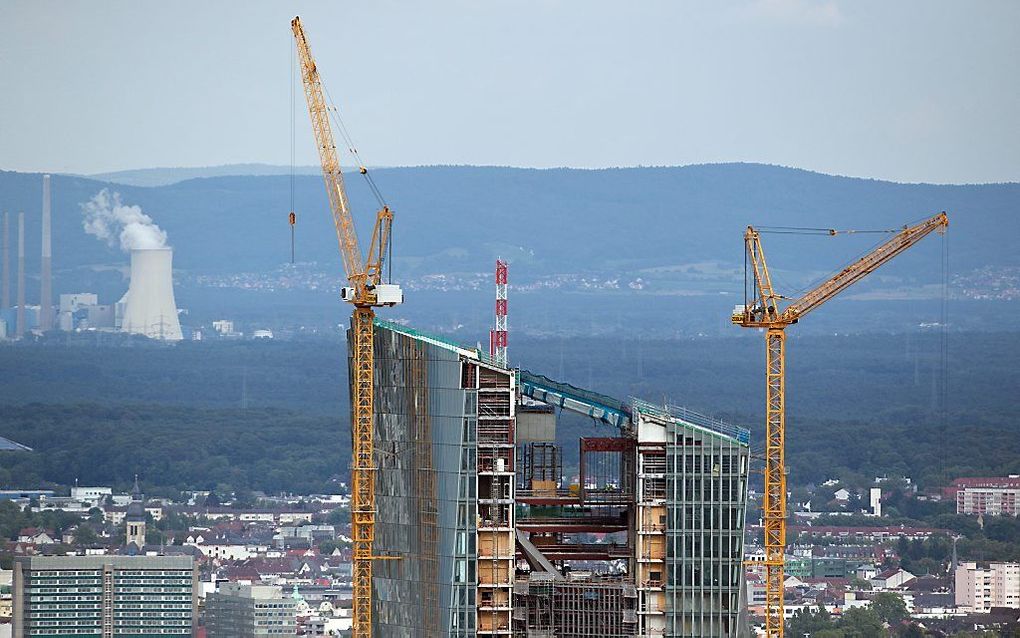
(110, 220)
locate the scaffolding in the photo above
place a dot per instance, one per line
(541, 469)
(575, 609)
(495, 497)
(607, 470)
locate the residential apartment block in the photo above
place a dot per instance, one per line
(980, 588)
(997, 496)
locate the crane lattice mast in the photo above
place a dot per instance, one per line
(766, 311)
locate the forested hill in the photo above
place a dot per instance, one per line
(456, 219)
(274, 415)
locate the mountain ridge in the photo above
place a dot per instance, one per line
(157, 174)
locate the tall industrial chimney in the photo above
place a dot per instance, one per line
(20, 330)
(150, 308)
(5, 301)
(45, 289)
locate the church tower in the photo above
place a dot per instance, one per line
(135, 519)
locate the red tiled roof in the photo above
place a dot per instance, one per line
(32, 531)
(981, 481)
(986, 481)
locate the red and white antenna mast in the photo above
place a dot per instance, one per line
(497, 337)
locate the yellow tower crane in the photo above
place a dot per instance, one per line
(366, 292)
(773, 312)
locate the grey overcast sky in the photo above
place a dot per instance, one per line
(907, 91)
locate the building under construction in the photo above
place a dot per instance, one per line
(484, 528)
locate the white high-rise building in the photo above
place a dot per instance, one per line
(875, 500)
(981, 588)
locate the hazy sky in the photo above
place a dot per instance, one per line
(907, 91)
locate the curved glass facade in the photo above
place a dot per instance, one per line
(425, 490)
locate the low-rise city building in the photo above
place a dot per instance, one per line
(892, 579)
(249, 611)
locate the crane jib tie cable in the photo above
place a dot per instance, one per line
(334, 113)
(798, 230)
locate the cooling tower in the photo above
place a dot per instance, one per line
(149, 308)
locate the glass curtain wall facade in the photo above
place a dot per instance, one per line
(425, 427)
(706, 484)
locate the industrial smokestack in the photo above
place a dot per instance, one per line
(45, 290)
(150, 308)
(20, 330)
(5, 302)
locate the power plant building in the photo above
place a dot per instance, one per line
(82, 310)
(496, 534)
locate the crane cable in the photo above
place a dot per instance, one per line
(809, 230)
(293, 65)
(334, 113)
(830, 232)
(338, 121)
(944, 354)
(803, 230)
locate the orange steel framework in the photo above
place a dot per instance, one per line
(364, 276)
(765, 312)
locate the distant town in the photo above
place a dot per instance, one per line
(292, 554)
